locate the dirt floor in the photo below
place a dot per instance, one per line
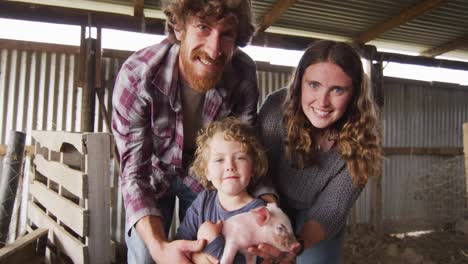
(362, 245)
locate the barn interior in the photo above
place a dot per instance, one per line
(58, 99)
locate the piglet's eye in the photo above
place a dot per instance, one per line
(280, 228)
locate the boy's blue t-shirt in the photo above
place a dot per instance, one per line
(206, 207)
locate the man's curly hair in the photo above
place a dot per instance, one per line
(233, 130)
(179, 10)
(357, 132)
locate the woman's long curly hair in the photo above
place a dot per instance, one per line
(357, 132)
(179, 10)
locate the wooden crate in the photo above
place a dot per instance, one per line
(70, 195)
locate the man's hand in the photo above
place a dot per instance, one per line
(178, 251)
(151, 231)
(271, 254)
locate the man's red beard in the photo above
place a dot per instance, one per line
(207, 81)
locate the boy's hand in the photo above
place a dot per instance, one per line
(209, 231)
(178, 251)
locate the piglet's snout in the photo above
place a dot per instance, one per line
(294, 245)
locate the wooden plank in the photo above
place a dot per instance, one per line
(53, 140)
(138, 6)
(405, 16)
(465, 149)
(465, 139)
(72, 180)
(97, 169)
(82, 57)
(278, 9)
(98, 55)
(25, 249)
(79, 16)
(37, 46)
(446, 47)
(67, 212)
(117, 54)
(448, 151)
(422, 61)
(65, 242)
(29, 150)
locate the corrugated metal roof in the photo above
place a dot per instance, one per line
(346, 19)
(435, 28)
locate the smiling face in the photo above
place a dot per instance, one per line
(229, 167)
(326, 92)
(207, 45)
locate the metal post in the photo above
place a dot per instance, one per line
(12, 169)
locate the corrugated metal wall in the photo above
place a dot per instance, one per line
(269, 82)
(423, 191)
(38, 92)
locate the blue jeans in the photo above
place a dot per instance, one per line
(325, 252)
(137, 253)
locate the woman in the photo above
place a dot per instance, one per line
(324, 142)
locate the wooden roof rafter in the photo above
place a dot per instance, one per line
(278, 9)
(403, 17)
(446, 47)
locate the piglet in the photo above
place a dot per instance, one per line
(260, 225)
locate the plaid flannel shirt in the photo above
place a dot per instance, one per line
(147, 121)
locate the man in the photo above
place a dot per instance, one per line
(163, 95)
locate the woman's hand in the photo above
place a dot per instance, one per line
(271, 254)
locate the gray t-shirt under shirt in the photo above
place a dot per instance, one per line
(192, 109)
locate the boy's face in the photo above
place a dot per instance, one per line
(229, 168)
(207, 45)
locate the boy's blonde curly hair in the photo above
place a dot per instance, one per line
(233, 130)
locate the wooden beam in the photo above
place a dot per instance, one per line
(449, 46)
(38, 46)
(402, 18)
(278, 9)
(29, 150)
(138, 6)
(445, 151)
(26, 249)
(423, 61)
(465, 149)
(71, 16)
(273, 40)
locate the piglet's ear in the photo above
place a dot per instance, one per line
(261, 214)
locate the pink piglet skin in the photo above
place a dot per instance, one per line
(267, 224)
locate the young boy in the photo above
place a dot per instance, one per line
(229, 161)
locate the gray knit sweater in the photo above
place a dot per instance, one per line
(325, 191)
